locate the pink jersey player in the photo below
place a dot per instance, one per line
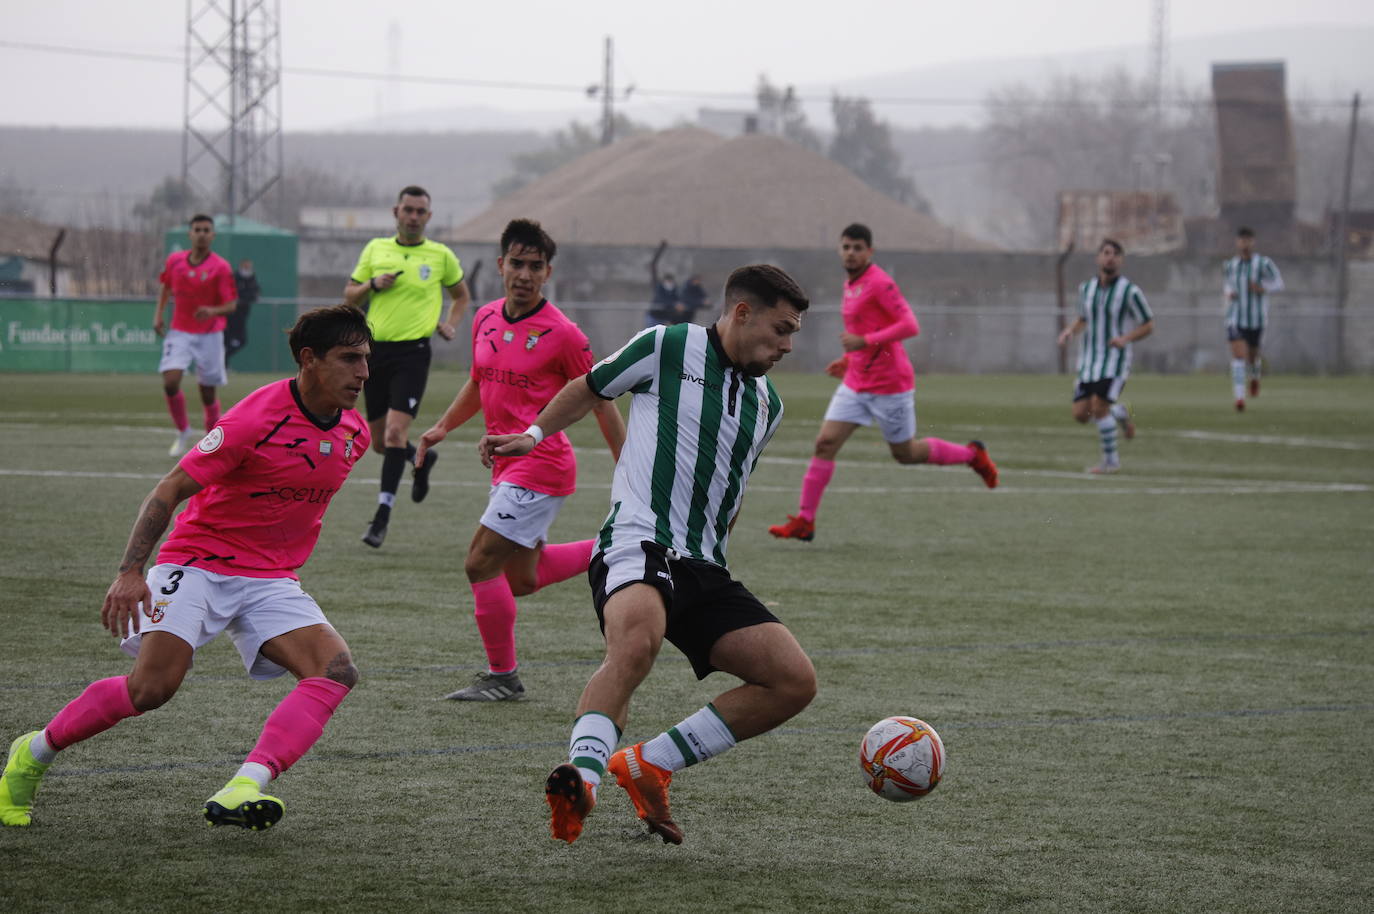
(203, 291)
(524, 350)
(269, 470)
(874, 308)
(205, 283)
(258, 485)
(877, 385)
(518, 365)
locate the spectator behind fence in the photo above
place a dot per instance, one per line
(692, 300)
(663, 306)
(236, 328)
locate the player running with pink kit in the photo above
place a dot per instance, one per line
(259, 484)
(523, 351)
(201, 286)
(878, 385)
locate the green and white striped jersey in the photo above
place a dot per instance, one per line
(1107, 308)
(697, 425)
(1249, 310)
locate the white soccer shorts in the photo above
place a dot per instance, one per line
(521, 515)
(180, 349)
(197, 605)
(894, 413)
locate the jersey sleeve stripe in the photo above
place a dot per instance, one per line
(625, 368)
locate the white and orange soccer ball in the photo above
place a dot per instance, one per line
(902, 758)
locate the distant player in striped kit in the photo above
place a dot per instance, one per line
(701, 414)
(1106, 304)
(1249, 278)
(877, 385)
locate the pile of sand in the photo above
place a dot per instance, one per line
(696, 189)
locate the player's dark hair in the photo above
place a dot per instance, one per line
(1113, 243)
(412, 190)
(201, 217)
(530, 235)
(1245, 232)
(857, 231)
(321, 329)
(763, 286)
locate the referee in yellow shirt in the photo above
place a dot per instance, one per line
(405, 277)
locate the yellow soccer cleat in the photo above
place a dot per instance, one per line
(23, 773)
(241, 803)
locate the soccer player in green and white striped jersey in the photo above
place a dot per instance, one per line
(1106, 304)
(1249, 278)
(701, 414)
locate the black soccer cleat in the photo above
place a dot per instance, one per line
(419, 487)
(376, 534)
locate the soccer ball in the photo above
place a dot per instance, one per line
(902, 758)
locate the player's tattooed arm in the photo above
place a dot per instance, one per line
(119, 612)
(152, 522)
(154, 516)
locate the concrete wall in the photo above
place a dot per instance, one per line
(979, 312)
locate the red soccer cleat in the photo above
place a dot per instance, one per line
(570, 801)
(1254, 387)
(647, 785)
(1240, 406)
(796, 528)
(982, 464)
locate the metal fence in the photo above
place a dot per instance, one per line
(115, 335)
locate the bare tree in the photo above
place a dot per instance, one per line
(1093, 133)
(781, 112)
(572, 142)
(863, 144)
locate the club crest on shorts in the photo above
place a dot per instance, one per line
(158, 611)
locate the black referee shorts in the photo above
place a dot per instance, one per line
(397, 374)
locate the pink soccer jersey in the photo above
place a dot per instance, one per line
(871, 303)
(269, 471)
(519, 365)
(207, 284)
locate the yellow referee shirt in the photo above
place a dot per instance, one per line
(410, 309)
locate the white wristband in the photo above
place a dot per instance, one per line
(536, 433)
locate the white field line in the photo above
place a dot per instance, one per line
(1190, 434)
(158, 422)
(1222, 487)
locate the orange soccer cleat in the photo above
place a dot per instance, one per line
(982, 464)
(647, 785)
(796, 528)
(570, 801)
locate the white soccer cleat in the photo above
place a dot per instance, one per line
(183, 442)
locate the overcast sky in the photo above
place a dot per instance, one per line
(702, 49)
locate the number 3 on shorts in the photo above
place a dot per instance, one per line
(173, 582)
